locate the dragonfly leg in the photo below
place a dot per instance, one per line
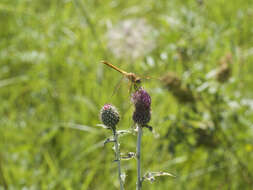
(130, 85)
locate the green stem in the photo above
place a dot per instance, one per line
(117, 152)
(2, 178)
(138, 156)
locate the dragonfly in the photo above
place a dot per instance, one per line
(134, 80)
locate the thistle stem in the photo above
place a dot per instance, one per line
(138, 156)
(117, 154)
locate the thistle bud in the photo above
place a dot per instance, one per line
(142, 116)
(224, 71)
(109, 116)
(171, 81)
(174, 84)
(142, 102)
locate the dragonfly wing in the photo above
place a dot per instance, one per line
(116, 88)
(149, 78)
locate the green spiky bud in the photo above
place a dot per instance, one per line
(109, 116)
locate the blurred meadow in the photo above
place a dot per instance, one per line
(52, 87)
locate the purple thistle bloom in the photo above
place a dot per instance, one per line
(141, 99)
(142, 102)
(107, 106)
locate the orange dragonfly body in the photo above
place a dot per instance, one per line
(133, 78)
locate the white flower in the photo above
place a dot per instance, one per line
(131, 38)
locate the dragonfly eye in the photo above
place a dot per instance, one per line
(138, 81)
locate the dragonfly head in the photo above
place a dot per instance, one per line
(138, 80)
(137, 83)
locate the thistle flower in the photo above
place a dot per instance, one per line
(141, 99)
(142, 102)
(109, 116)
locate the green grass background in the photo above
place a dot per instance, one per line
(51, 79)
